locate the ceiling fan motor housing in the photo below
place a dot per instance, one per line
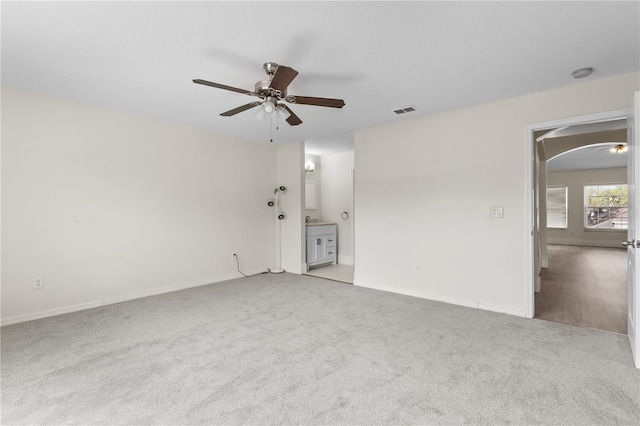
(263, 90)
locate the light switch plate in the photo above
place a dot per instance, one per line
(497, 212)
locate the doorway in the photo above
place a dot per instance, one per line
(329, 215)
(580, 265)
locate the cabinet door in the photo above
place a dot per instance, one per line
(315, 249)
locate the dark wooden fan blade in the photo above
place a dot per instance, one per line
(293, 119)
(282, 78)
(240, 109)
(222, 86)
(325, 102)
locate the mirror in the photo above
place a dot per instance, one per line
(310, 196)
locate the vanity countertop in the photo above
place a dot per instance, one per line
(320, 223)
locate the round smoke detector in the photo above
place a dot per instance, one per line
(582, 72)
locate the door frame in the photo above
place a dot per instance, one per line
(530, 218)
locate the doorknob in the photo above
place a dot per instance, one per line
(632, 243)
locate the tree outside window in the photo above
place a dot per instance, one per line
(606, 206)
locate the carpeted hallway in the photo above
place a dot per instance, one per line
(288, 349)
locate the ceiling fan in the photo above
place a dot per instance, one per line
(613, 147)
(272, 92)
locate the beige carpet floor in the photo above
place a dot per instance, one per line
(287, 349)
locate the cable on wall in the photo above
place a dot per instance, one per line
(235, 256)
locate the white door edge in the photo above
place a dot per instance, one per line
(528, 170)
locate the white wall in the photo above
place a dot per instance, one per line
(291, 174)
(109, 206)
(575, 233)
(337, 197)
(424, 188)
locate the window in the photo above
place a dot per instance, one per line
(605, 206)
(557, 207)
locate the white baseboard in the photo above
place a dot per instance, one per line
(501, 310)
(452, 301)
(168, 289)
(50, 313)
(123, 298)
(182, 286)
(449, 300)
(404, 292)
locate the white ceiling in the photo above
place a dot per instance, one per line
(378, 56)
(596, 155)
(591, 157)
(581, 129)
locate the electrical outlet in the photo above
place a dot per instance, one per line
(418, 269)
(38, 283)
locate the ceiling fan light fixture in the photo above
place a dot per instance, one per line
(619, 149)
(260, 114)
(269, 106)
